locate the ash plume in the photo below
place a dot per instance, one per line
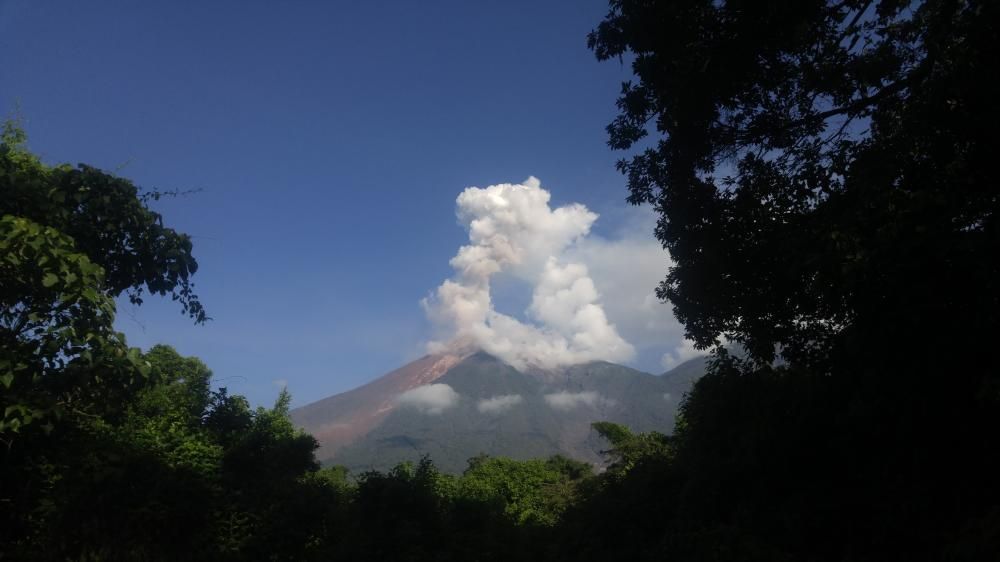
(514, 231)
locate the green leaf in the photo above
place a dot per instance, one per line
(49, 280)
(7, 379)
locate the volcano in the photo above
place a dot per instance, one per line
(489, 407)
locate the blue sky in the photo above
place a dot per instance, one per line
(330, 141)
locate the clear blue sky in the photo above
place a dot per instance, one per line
(330, 140)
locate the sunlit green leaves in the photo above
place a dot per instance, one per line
(71, 240)
(108, 220)
(533, 492)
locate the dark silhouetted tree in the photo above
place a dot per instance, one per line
(819, 167)
(821, 175)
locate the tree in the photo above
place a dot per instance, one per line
(405, 512)
(111, 453)
(145, 485)
(628, 448)
(532, 492)
(820, 172)
(108, 219)
(71, 240)
(821, 167)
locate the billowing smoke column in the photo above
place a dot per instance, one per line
(513, 230)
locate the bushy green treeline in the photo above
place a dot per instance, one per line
(187, 471)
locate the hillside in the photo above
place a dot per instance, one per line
(498, 410)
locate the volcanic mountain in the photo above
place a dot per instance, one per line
(454, 407)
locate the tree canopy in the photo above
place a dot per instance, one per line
(107, 217)
(818, 167)
(71, 241)
(820, 173)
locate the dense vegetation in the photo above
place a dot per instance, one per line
(820, 170)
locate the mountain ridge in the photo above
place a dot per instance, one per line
(492, 408)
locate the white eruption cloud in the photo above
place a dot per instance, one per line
(566, 400)
(514, 231)
(432, 399)
(499, 404)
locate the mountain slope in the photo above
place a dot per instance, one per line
(341, 419)
(531, 415)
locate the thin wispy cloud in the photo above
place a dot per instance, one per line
(431, 399)
(499, 404)
(566, 400)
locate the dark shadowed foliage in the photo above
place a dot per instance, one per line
(821, 174)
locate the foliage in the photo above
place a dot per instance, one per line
(820, 174)
(529, 492)
(108, 220)
(628, 448)
(55, 327)
(112, 454)
(818, 163)
(70, 241)
(166, 479)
